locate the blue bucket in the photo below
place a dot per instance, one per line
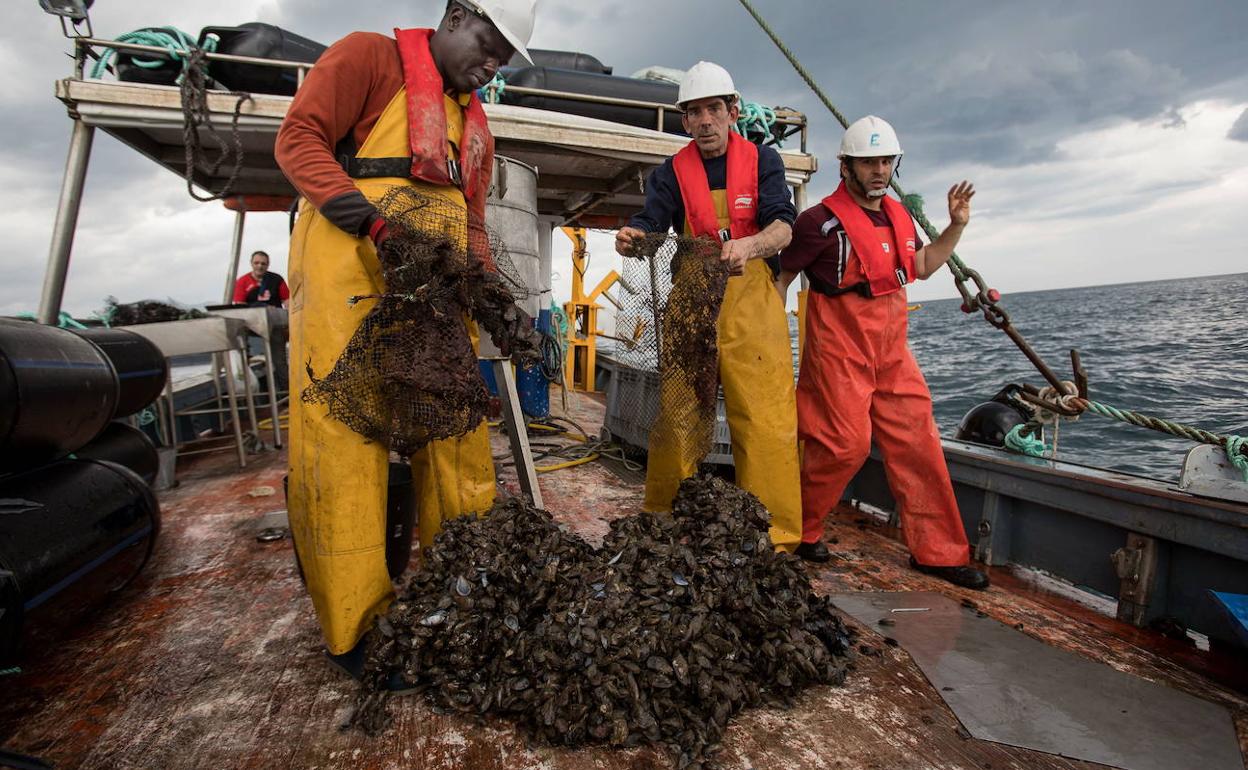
(532, 385)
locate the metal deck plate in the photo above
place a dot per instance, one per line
(1007, 687)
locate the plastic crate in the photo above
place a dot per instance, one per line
(633, 404)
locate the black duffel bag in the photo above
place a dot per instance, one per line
(261, 41)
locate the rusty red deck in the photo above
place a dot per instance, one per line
(213, 660)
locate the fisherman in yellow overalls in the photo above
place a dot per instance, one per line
(722, 186)
(374, 113)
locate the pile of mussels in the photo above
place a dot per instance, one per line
(661, 635)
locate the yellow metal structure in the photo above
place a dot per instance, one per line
(582, 313)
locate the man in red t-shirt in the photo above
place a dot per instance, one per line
(260, 287)
(859, 381)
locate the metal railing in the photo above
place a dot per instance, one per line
(85, 48)
(784, 117)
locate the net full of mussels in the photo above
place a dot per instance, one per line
(658, 637)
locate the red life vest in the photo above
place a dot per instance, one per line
(742, 189)
(886, 273)
(426, 119)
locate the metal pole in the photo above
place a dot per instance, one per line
(66, 222)
(245, 354)
(517, 433)
(233, 399)
(545, 263)
(271, 376)
(654, 302)
(799, 201)
(236, 248)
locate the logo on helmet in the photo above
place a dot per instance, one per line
(875, 140)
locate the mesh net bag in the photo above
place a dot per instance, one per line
(409, 375)
(671, 301)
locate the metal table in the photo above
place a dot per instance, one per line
(263, 321)
(215, 336)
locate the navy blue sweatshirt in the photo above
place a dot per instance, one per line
(665, 208)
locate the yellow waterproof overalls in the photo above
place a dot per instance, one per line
(756, 373)
(338, 479)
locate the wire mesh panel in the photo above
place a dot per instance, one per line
(670, 298)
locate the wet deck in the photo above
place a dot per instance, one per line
(213, 660)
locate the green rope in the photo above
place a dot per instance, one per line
(806, 76)
(173, 40)
(1018, 441)
(10, 671)
(1236, 447)
(756, 118)
(1237, 450)
(491, 92)
(147, 416)
(559, 320)
(64, 320)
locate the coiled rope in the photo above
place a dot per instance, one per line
(583, 449)
(196, 114)
(552, 354)
(175, 42)
(1019, 440)
(756, 119)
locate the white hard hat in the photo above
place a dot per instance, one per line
(869, 137)
(512, 18)
(703, 80)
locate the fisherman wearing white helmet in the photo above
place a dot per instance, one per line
(722, 186)
(859, 381)
(376, 113)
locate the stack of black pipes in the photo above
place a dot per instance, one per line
(78, 518)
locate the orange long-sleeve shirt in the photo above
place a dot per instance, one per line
(341, 98)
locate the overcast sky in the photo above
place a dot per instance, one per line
(1108, 140)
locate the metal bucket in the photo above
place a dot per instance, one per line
(511, 212)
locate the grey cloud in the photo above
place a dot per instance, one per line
(1239, 130)
(964, 81)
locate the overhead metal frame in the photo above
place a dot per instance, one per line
(591, 173)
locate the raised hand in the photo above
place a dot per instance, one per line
(960, 203)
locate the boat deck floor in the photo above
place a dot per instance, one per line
(212, 659)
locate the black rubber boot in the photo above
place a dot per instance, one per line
(816, 552)
(351, 663)
(967, 577)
